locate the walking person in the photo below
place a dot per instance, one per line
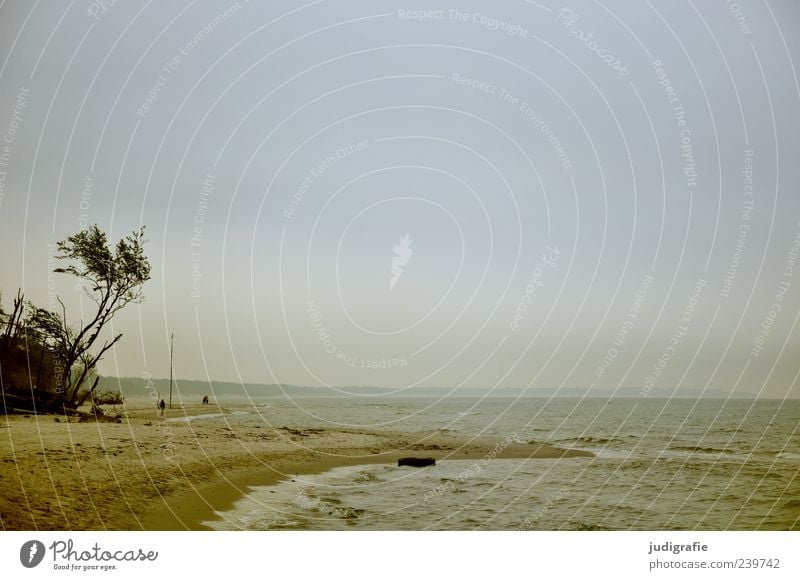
(162, 405)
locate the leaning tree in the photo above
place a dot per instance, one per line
(112, 278)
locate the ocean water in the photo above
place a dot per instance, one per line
(658, 465)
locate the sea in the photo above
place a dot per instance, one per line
(657, 464)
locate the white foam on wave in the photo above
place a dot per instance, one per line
(190, 418)
(716, 457)
(306, 502)
(788, 455)
(603, 453)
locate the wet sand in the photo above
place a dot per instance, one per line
(158, 473)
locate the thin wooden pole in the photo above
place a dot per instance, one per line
(171, 343)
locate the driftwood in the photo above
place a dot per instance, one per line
(14, 404)
(416, 461)
(92, 417)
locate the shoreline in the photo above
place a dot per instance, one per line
(153, 473)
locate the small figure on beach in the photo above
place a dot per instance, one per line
(205, 400)
(162, 405)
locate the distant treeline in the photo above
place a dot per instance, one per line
(189, 390)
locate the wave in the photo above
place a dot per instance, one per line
(190, 418)
(594, 445)
(586, 527)
(365, 477)
(787, 455)
(698, 449)
(201, 416)
(590, 440)
(604, 453)
(329, 506)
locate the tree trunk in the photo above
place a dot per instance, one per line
(88, 394)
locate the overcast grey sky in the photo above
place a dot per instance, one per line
(594, 193)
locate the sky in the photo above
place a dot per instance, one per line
(518, 194)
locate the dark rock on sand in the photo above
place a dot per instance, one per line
(416, 461)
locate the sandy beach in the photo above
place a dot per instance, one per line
(149, 472)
